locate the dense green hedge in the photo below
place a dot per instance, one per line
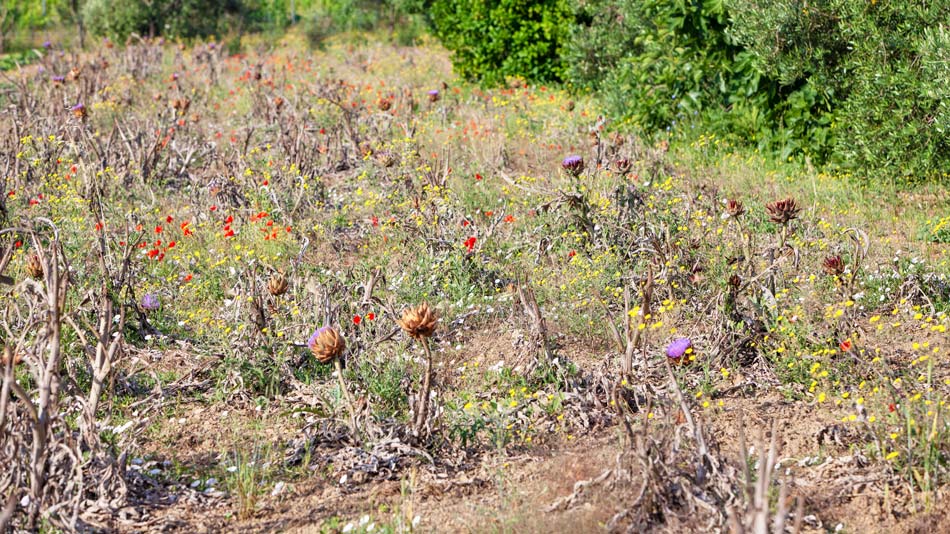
(494, 39)
(861, 86)
(881, 68)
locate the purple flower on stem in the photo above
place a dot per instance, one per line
(58, 79)
(433, 95)
(573, 164)
(47, 45)
(679, 348)
(150, 302)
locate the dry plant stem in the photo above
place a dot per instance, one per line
(7, 380)
(422, 413)
(346, 395)
(697, 434)
(634, 336)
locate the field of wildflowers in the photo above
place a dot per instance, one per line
(342, 291)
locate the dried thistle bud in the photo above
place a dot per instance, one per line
(734, 208)
(326, 344)
(34, 266)
(277, 285)
(419, 322)
(384, 104)
(278, 103)
(617, 139)
(833, 266)
(623, 166)
(385, 158)
(181, 105)
(734, 281)
(782, 211)
(570, 105)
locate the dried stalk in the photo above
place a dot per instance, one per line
(422, 411)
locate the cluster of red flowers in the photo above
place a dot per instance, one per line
(269, 227)
(357, 319)
(158, 247)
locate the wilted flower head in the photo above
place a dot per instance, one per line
(679, 348)
(573, 164)
(150, 302)
(833, 266)
(34, 266)
(326, 344)
(782, 211)
(419, 322)
(623, 165)
(277, 284)
(734, 208)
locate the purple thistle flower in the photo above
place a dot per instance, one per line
(150, 302)
(47, 45)
(678, 348)
(58, 79)
(433, 95)
(316, 334)
(573, 164)
(77, 107)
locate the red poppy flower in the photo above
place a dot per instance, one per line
(370, 316)
(845, 345)
(357, 319)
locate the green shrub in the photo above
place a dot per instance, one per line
(494, 39)
(173, 18)
(660, 64)
(882, 66)
(860, 86)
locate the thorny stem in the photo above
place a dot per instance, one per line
(346, 394)
(422, 414)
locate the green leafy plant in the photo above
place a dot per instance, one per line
(492, 40)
